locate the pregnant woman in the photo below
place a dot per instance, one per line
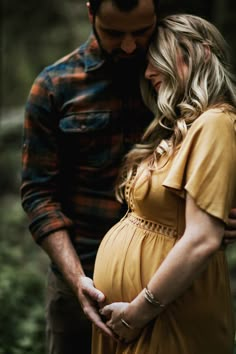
(162, 267)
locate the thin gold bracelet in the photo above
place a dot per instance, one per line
(125, 323)
(151, 298)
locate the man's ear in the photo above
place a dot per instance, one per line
(90, 15)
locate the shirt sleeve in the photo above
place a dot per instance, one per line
(205, 165)
(40, 162)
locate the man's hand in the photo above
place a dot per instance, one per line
(230, 231)
(61, 251)
(91, 300)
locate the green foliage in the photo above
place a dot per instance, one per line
(23, 265)
(21, 299)
(22, 279)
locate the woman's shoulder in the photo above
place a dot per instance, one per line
(215, 119)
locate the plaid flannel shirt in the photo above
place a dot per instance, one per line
(81, 117)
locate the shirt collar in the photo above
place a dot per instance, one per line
(90, 50)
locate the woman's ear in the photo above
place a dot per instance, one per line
(90, 15)
(207, 51)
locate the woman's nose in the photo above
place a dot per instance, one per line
(148, 72)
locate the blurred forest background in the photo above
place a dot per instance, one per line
(33, 35)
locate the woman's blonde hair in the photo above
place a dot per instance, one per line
(208, 83)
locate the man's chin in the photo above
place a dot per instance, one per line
(124, 56)
(128, 59)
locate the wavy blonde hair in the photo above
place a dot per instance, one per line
(180, 101)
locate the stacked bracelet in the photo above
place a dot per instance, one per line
(151, 298)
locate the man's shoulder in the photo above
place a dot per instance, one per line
(84, 58)
(67, 63)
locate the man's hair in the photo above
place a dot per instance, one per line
(122, 5)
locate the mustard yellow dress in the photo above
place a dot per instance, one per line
(201, 320)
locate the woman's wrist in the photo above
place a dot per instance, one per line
(142, 310)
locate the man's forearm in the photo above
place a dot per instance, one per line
(59, 248)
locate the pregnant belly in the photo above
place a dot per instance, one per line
(126, 260)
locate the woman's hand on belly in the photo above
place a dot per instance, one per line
(115, 320)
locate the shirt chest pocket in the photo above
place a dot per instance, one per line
(87, 136)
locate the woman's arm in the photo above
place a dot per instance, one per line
(202, 237)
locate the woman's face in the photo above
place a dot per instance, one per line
(156, 77)
(153, 74)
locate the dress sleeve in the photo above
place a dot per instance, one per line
(205, 165)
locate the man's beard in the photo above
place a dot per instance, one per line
(120, 58)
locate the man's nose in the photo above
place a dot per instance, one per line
(128, 44)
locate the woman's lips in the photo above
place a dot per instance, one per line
(156, 85)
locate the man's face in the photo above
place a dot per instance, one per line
(124, 35)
